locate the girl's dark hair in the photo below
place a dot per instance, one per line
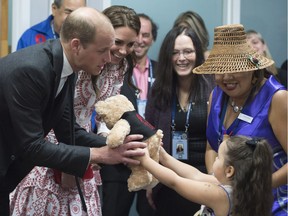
(252, 179)
(166, 79)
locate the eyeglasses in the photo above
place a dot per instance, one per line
(187, 53)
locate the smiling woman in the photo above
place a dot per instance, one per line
(127, 26)
(178, 105)
(244, 81)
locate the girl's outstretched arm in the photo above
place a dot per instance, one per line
(198, 191)
(183, 169)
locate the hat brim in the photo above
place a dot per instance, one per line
(220, 63)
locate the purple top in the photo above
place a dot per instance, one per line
(258, 109)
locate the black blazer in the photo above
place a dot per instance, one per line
(29, 109)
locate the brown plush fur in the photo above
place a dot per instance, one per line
(110, 111)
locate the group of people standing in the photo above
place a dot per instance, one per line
(223, 106)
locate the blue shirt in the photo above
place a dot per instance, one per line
(37, 34)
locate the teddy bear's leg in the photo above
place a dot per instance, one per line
(154, 148)
(139, 178)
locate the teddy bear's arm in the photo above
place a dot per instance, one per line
(118, 133)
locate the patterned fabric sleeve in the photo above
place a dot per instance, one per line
(110, 80)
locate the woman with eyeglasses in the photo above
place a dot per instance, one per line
(177, 104)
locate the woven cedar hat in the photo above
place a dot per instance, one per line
(231, 53)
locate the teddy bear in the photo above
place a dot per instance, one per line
(122, 119)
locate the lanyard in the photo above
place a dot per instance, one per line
(222, 115)
(187, 115)
(53, 31)
(150, 78)
(230, 131)
(150, 73)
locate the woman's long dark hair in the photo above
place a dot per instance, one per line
(194, 20)
(166, 78)
(252, 179)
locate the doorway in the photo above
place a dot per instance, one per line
(4, 48)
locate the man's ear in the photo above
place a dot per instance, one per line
(53, 8)
(229, 171)
(75, 45)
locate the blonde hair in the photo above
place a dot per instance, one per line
(266, 52)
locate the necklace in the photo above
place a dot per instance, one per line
(182, 109)
(236, 108)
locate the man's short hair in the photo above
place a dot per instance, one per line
(154, 25)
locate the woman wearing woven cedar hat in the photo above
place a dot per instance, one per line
(248, 101)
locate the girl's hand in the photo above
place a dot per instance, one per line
(146, 155)
(162, 154)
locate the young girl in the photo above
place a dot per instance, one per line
(241, 184)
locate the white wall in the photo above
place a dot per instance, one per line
(26, 13)
(265, 16)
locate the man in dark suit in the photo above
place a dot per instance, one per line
(36, 95)
(141, 77)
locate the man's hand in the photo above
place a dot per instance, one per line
(122, 154)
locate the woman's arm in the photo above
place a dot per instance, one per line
(278, 121)
(210, 154)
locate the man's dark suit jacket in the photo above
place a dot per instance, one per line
(29, 109)
(120, 172)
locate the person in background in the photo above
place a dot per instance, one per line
(49, 28)
(247, 100)
(194, 20)
(144, 67)
(257, 42)
(41, 99)
(241, 184)
(177, 104)
(136, 90)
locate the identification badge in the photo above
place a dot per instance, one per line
(179, 145)
(141, 104)
(245, 118)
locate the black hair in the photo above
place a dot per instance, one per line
(166, 78)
